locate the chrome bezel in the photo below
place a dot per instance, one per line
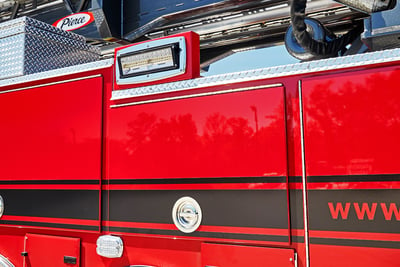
(152, 76)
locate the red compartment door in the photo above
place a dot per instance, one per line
(216, 255)
(226, 150)
(50, 154)
(54, 251)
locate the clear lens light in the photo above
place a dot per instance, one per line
(147, 61)
(109, 246)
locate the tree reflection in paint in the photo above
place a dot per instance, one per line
(353, 124)
(184, 145)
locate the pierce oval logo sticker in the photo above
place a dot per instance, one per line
(74, 21)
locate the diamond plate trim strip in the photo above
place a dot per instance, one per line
(243, 89)
(57, 73)
(257, 74)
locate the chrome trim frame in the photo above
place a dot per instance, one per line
(148, 77)
(258, 74)
(304, 177)
(198, 95)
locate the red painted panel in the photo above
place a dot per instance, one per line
(46, 250)
(356, 236)
(352, 123)
(245, 256)
(344, 256)
(352, 126)
(239, 134)
(52, 132)
(157, 252)
(11, 246)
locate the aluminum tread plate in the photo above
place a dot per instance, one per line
(26, 54)
(20, 30)
(9, 27)
(29, 46)
(257, 74)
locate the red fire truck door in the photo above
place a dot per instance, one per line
(225, 150)
(55, 251)
(214, 255)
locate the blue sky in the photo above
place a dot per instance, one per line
(252, 59)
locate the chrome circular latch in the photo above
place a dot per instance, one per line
(1, 206)
(186, 214)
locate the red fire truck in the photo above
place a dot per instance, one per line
(140, 161)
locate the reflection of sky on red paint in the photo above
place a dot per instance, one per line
(252, 59)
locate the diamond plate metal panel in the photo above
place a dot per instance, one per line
(28, 46)
(257, 74)
(26, 21)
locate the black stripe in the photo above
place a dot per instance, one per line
(296, 209)
(104, 206)
(297, 239)
(355, 243)
(240, 208)
(254, 237)
(50, 182)
(321, 216)
(215, 180)
(73, 204)
(295, 179)
(354, 178)
(52, 225)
